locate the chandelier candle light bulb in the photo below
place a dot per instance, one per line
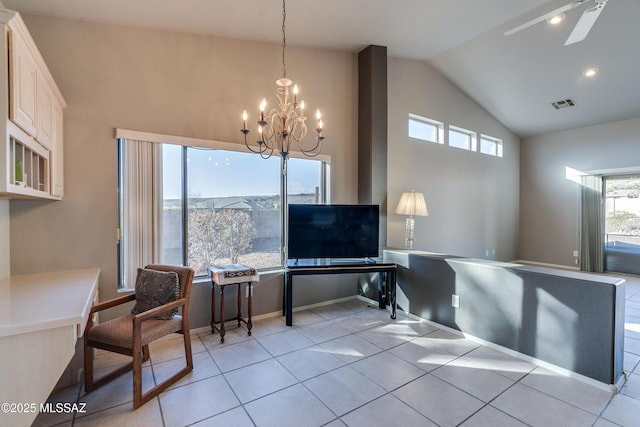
(284, 125)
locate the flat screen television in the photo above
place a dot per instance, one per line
(333, 231)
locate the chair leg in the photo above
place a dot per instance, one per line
(187, 348)
(88, 367)
(137, 376)
(139, 398)
(145, 353)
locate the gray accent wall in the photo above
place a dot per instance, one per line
(472, 198)
(570, 319)
(550, 201)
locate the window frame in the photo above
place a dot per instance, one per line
(186, 142)
(499, 146)
(439, 128)
(472, 138)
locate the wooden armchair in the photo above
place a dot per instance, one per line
(131, 334)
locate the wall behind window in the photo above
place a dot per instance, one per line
(162, 82)
(550, 203)
(472, 198)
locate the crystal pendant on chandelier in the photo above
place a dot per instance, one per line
(285, 125)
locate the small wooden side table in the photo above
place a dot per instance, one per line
(231, 274)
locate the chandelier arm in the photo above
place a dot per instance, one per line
(287, 125)
(315, 149)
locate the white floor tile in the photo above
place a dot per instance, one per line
(194, 402)
(570, 390)
(344, 389)
(504, 364)
(491, 417)
(117, 392)
(539, 409)
(294, 406)
(203, 367)
(386, 411)
(387, 370)
(483, 384)
(442, 403)
(623, 410)
(324, 331)
(260, 379)
(234, 356)
(632, 387)
(284, 342)
(236, 417)
(124, 416)
(453, 343)
(422, 354)
(309, 362)
(172, 347)
(350, 348)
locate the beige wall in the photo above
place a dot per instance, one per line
(472, 198)
(4, 239)
(550, 203)
(162, 82)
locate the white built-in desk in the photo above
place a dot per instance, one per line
(41, 317)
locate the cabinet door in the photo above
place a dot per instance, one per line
(24, 81)
(56, 158)
(45, 113)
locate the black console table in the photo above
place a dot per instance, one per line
(310, 267)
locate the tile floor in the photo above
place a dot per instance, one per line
(349, 364)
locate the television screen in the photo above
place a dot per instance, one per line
(333, 231)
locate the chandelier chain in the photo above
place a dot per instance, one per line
(285, 124)
(284, 38)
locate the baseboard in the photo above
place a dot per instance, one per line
(612, 388)
(279, 313)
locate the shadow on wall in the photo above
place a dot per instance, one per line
(570, 320)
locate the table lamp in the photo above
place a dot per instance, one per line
(412, 204)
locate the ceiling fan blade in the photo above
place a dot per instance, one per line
(585, 23)
(546, 16)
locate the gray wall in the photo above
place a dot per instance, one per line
(570, 319)
(169, 83)
(472, 198)
(549, 202)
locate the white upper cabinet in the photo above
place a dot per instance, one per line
(23, 85)
(31, 120)
(45, 113)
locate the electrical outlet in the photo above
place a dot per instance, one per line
(576, 253)
(455, 301)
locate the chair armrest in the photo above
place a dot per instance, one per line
(145, 315)
(112, 303)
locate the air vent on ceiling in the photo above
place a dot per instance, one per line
(564, 103)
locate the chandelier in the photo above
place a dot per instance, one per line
(281, 127)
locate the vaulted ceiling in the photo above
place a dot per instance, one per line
(515, 78)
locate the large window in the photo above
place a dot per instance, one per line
(207, 206)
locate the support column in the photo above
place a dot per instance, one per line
(372, 131)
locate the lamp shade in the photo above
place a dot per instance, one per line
(413, 204)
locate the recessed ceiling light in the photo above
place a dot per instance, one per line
(556, 19)
(590, 72)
